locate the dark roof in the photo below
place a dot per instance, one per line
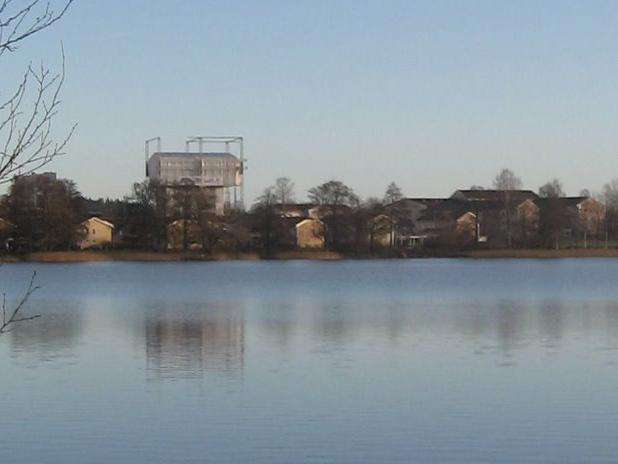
(573, 200)
(454, 208)
(294, 206)
(422, 201)
(494, 195)
(566, 202)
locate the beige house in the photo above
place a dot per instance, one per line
(98, 233)
(467, 228)
(310, 234)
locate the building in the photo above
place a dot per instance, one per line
(310, 234)
(220, 172)
(581, 218)
(98, 233)
(495, 196)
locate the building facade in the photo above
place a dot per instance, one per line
(220, 173)
(97, 233)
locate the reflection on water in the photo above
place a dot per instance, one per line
(314, 362)
(55, 335)
(187, 340)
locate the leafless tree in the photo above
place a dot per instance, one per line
(264, 211)
(393, 193)
(13, 316)
(26, 114)
(552, 189)
(27, 142)
(284, 190)
(392, 197)
(506, 181)
(338, 200)
(610, 198)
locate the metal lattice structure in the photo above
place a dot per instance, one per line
(221, 170)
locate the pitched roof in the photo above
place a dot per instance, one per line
(494, 195)
(565, 202)
(454, 208)
(293, 207)
(424, 201)
(305, 221)
(100, 221)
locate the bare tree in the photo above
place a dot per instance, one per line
(12, 317)
(552, 189)
(266, 218)
(610, 198)
(333, 193)
(610, 193)
(337, 201)
(393, 193)
(391, 198)
(284, 190)
(26, 139)
(506, 181)
(26, 114)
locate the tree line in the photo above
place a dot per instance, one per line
(45, 214)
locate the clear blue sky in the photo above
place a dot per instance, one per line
(434, 95)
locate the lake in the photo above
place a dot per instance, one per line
(450, 361)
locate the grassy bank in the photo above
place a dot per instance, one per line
(544, 254)
(149, 256)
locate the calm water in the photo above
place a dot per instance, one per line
(285, 362)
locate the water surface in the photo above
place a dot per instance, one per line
(321, 362)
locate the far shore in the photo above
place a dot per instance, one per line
(150, 256)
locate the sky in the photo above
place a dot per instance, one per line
(434, 95)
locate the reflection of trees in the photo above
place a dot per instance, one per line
(510, 325)
(280, 320)
(334, 322)
(52, 336)
(611, 320)
(552, 320)
(187, 342)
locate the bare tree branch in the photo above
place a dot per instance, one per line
(28, 142)
(23, 22)
(26, 116)
(13, 316)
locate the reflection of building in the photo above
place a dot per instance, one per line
(190, 344)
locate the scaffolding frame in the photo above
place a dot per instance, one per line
(202, 142)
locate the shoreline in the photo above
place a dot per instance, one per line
(150, 256)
